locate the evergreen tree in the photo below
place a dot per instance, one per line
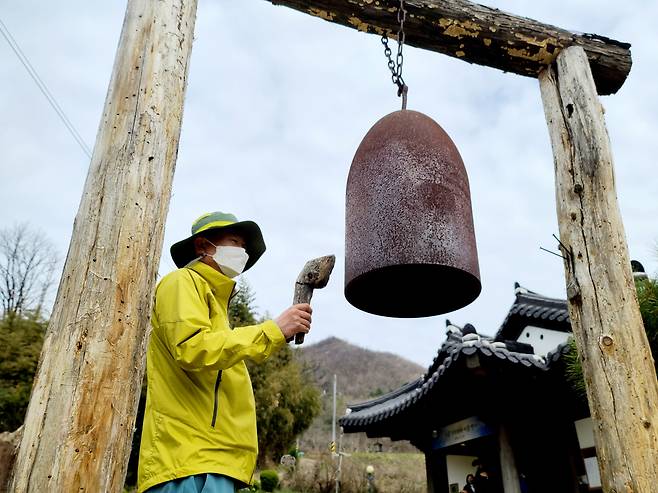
(286, 403)
(647, 294)
(241, 309)
(286, 400)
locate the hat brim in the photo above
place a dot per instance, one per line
(183, 252)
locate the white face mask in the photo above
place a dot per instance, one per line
(230, 259)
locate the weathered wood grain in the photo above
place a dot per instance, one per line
(477, 34)
(81, 415)
(314, 275)
(617, 364)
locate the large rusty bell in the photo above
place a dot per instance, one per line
(409, 240)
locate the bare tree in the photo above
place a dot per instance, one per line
(27, 267)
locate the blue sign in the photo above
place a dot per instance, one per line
(461, 431)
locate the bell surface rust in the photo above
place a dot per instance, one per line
(409, 241)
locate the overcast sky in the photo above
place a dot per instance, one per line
(276, 106)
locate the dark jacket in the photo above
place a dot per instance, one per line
(484, 485)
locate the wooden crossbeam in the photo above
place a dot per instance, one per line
(477, 34)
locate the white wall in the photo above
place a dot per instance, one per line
(458, 467)
(593, 474)
(585, 432)
(542, 340)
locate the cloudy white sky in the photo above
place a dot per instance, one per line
(277, 104)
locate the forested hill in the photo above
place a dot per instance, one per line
(361, 373)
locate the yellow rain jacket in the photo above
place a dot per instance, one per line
(200, 413)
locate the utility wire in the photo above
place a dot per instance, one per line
(13, 44)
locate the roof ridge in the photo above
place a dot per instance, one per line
(374, 410)
(537, 296)
(356, 406)
(521, 291)
(531, 305)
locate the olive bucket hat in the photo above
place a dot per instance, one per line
(183, 251)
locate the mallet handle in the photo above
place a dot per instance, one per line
(303, 294)
(314, 275)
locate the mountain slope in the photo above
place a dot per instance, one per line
(361, 375)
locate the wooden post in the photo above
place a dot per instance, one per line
(81, 415)
(619, 373)
(436, 467)
(508, 471)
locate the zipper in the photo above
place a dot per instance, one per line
(214, 409)
(219, 373)
(234, 291)
(230, 298)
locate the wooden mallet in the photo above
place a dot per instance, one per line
(314, 275)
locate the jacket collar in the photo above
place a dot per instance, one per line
(221, 286)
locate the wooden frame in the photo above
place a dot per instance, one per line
(79, 422)
(476, 34)
(619, 372)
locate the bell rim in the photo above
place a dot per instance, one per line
(470, 294)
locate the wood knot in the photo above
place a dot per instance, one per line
(607, 340)
(570, 109)
(646, 424)
(578, 188)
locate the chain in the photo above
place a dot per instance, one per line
(395, 66)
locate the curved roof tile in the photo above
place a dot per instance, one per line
(527, 304)
(391, 404)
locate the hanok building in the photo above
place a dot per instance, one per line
(503, 401)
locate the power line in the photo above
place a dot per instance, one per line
(13, 44)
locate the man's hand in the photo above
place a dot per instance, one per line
(295, 319)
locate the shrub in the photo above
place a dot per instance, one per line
(254, 488)
(20, 346)
(269, 480)
(399, 473)
(294, 452)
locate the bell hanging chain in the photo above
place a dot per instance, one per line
(395, 66)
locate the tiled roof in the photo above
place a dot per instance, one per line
(456, 346)
(557, 353)
(530, 307)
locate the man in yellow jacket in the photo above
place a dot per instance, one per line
(199, 431)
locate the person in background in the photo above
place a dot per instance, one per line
(483, 481)
(469, 487)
